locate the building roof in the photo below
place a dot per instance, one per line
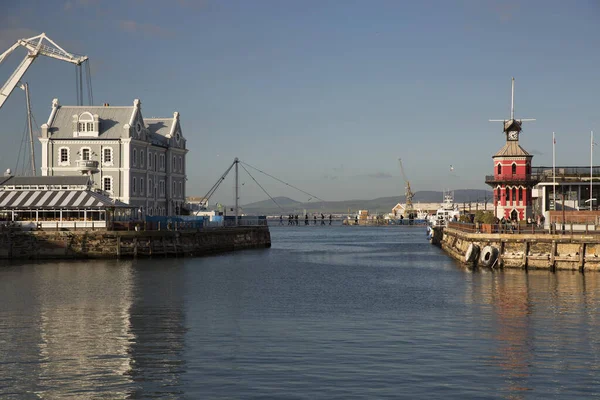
(512, 148)
(45, 180)
(159, 126)
(112, 120)
(55, 199)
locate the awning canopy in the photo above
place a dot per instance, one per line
(55, 199)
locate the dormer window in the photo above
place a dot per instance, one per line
(85, 125)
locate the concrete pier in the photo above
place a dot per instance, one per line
(115, 244)
(526, 251)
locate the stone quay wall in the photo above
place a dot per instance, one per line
(115, 244)
(526, 251)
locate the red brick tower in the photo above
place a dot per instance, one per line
(512, 180)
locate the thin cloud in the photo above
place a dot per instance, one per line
(134, 27)
(536, 152)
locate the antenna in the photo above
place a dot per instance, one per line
(512, 99)
(512, 109)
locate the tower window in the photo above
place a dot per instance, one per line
(499, 169)
(514, 168)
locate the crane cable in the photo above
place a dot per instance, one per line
(263, 189)
(279, 180)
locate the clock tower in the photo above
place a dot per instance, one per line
(512, 181)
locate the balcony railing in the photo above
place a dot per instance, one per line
(513, 178)
(87, 165)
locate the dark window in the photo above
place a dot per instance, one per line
(514, 168)
(499, 169)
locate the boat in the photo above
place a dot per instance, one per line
(448, 211)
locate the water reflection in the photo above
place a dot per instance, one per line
(99, 329)
(535, 323)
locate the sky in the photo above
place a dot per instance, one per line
(325, 95)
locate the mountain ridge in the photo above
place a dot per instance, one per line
(377, 205)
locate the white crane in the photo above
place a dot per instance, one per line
(36, 46)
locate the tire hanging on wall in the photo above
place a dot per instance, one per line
(488, 256)
(472, 254)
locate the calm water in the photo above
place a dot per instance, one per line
(326, 313)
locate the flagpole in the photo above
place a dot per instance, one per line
(591, 164)
(554, 169)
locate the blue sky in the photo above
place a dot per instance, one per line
(326, 95)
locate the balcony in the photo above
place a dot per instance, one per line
(85, 166)
(510, 179)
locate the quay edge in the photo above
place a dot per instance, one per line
(128, 244)
(577, 252)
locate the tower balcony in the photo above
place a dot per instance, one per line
(86, 166)
(510, 179)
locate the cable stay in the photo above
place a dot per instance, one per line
(235, 163)
(263, 189)
(285, 183)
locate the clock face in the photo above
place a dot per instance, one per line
(513, 135)
(177, 136)
(138, 127)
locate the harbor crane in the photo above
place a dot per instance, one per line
(43, 45)
(408, 209)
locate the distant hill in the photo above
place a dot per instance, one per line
(381, 204)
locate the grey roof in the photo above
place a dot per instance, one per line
(112, 119)
(55, 199)
(45, 180)
(512, 149)
(159, 126)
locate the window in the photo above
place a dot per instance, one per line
(174, 166)
(528, 168)
(63, 156)
(135, 157)
(134, 186)
(181, 189)
(142, 186)
(142, 158)
(149, 160)
(514, 168)
(162, 162)
(499, 169)
(85, 124)
(107, 184)
(85, 153)
(149, 187)
(107, 156)
(514, 194)
(155, 165)
(180, 164)
(174, 189)
(161, 186)
(498, 197)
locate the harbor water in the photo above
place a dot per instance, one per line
(329, 312)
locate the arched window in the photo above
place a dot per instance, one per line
(498, 196)
(514, 168)
(528, 168)
(514, 194)
(499, 169)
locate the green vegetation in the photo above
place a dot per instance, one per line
(484, 217)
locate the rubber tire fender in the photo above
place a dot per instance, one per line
(488, 256)
(472, 253)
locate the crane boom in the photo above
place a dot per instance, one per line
(35, 46)
(408, 210)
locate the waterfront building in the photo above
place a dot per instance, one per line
(572, 189)
(135, 160)
(58, 202)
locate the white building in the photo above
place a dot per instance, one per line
(136, 160)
